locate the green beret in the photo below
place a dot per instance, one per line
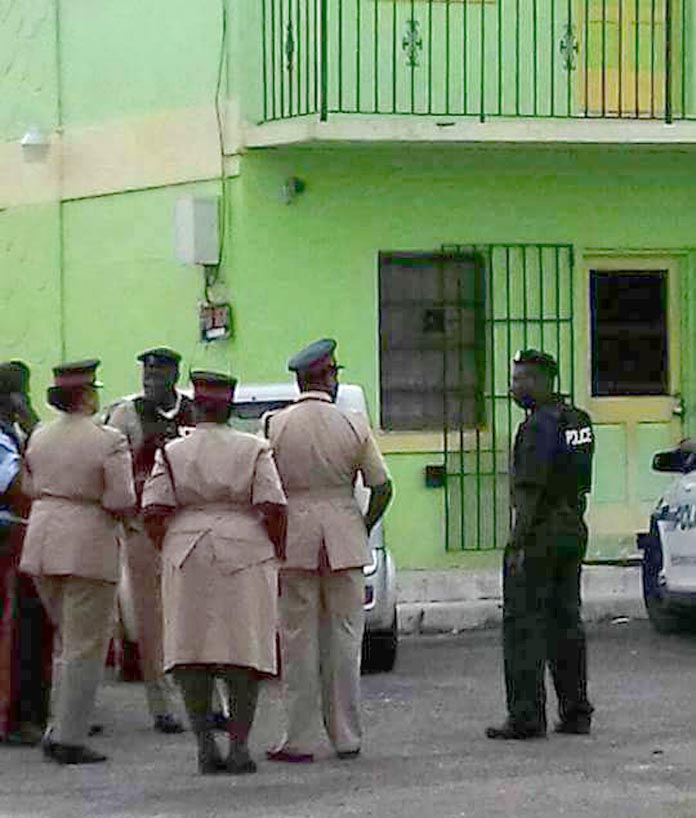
(76, 374)
(161, 356)
(314, 355)
(213, 386)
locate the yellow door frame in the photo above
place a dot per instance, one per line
(628, 412)
(613, 409)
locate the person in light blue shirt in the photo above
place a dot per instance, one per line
(17, 419)
(25, 633)
(10, 461)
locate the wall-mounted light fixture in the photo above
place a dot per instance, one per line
(35, 144)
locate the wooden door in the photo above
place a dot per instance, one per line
(632, 394)
(622, 57)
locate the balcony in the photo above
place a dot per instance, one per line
(541, 66)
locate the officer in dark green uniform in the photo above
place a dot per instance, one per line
(551, 476)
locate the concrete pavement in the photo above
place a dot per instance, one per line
(424, 751)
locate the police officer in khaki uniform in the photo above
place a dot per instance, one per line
(149, 421)
(218, 494)
(319, 450)
(550, 479)
(79, 475)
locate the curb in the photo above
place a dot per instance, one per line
(454, 601)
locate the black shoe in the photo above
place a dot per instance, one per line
(211, 765)
(240, 763)
(517, 732)
(166, 723)
(346, 754)
(218, 721)
(575, 726)
(209, 760)
(73, 754)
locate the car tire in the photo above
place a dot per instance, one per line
(379, 649)
(660, 613)
(661, 617)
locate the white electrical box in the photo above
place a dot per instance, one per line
(196, 230)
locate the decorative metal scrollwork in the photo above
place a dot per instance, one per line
(412, 43)
(569, 47)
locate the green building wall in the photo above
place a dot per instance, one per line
(96, 275)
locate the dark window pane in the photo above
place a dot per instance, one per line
(629, 333)
(430, 341)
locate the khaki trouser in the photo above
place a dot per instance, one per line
(322, 621)
(143, 564)
(81, 611)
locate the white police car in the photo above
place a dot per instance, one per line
(669, 547)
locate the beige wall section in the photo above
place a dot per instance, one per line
(129, 154)
(26, 181)
(183, 145)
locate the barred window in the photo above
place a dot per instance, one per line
(431, 340)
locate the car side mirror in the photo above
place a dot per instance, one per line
(673, 461)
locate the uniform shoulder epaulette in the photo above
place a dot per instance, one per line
(110, 431)
(266, 423)
(175, 442)
(583, 413)
(267, 417)
(118, 405)
(555, 409)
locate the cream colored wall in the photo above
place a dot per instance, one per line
(165, 148)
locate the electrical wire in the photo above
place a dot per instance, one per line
(222, 66)
(62, 307)
(208, 279)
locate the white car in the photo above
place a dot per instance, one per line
(669, 547)
(380, 643)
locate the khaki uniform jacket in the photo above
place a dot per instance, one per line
(77, 473)
(217, 477)
(319, 450)
(218, 564)
(124, 418)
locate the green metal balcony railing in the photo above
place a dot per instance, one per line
(631, 59)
